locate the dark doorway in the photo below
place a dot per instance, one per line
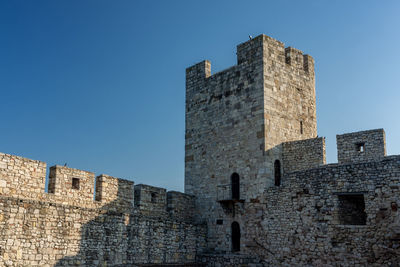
(235, 181)
(277, 168)
(235, 237)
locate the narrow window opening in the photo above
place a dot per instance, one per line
(153, 197)
(220, 222)
(235, 230)
(301, 127)
(277, 172)
(75, 183)
(235, 183)
(352, 209)
(360, 147)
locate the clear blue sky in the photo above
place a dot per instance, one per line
(100, 85)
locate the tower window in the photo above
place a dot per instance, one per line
(220, 222)
(235, 181)
(235, 231)
(277, 172)
(75, 183)
(360, 147)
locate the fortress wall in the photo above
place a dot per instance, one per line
(344, 214)
(34, 233)
(71, 183)
(303, 154)
(361, 146)
(21, 176)
(181, 205)
(150, 199)
(68, 227)
(110, 189)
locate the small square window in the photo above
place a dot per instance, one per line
(75, 183)
(360, 147)
(220, 222)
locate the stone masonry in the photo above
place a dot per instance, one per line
(258, 191)
(259, 174)
(68, 227)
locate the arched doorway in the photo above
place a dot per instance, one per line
(235, 231)
(235, 181)
(277, 171)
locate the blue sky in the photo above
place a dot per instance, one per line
(100, 85)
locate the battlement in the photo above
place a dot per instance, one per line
(69, 182)
(255, 51)
(150, 198)
(21, 176)
(25, 178)
(110, 190)
(361, 146)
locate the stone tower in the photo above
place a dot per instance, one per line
(236, 122)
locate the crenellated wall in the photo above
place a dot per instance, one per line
(77, 224)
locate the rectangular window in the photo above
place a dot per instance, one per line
(75, 183)
(301, 127)
(153, 197)
(352, 209)
(220, 222)
(360, 147)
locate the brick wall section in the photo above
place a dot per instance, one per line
(348, 146)
(303, 154)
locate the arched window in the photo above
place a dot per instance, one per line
(235, 181)
(235, 236)
(277, 172)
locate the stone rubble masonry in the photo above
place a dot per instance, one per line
(349, 146)
(303, 154)
(80, 227)
(237, 120)
(60, 182)
(242, 120)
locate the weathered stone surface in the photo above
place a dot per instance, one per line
(259, 190)
(257, 120)
(67, 227)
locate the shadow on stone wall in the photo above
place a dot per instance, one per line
(108, 239)
(121, 234)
